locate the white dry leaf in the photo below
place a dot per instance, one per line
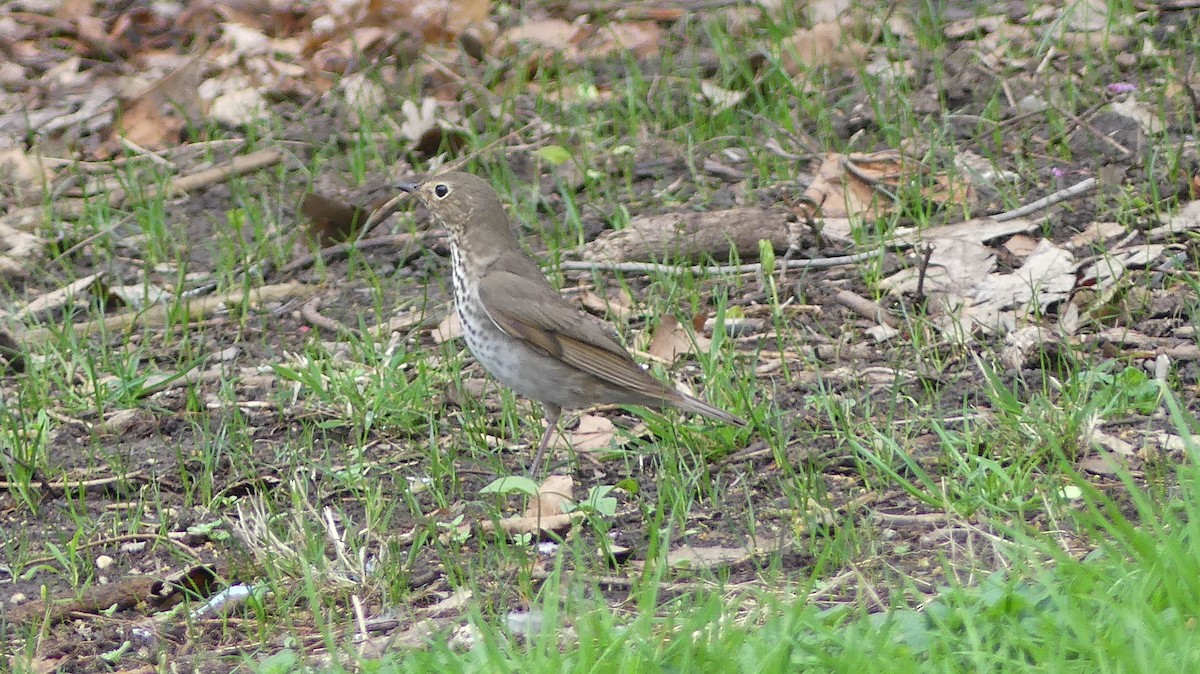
(890, 72)
(965, 28)
(1186, 220)
(449, 328)
(980, 170)
(955, 266)
(1068, 320)
(465, 638)
(16, 249)
(696, 557)
(66, 74)
(1108, 268)
(243, 40)
(238, 106)
(457, 601)
(1112, 443)
(418, 121)
(1169, 442)
(594, 432)
(364, 96)
(818, 11)
(979, 230)
(141, 295)
(1047, 276)
(56, 299)
(1130, 107)
(1019, 344)
(1095, 232)
(323, 26)
(1087, 15)
(1031, 103)
(525, 624)
(544, 514)
(23, 177)
(882, 333)
(719, 97)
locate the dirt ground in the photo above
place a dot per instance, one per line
(109, 473)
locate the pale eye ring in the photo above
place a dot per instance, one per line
(440, 191)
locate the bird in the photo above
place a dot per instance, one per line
(521, 330)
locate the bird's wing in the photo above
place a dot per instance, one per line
(532, 311)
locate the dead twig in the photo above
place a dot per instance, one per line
(866, 308)
(311, 314)
(1047, 201)
(158, 313)
(79, 484)
(336, 252)
(651, 267)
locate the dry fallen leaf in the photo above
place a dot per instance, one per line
(450, 328)
(427, 129)
(1187, 219)
(556, 492)
(240, 105)
(706, 558)
(672, 340)
(151, 118)
(1143, 113)
(594, 432)
(642, 38)
(554, 34)
(1047, 277)
(578, 41)
(719, 97)
(616, 303)
(823, 44)
(1021, 245)
(954, 266)
(56, 299)
(1095, 233)
(23, 178)
(444, 21)
(142, 122)
(545, 513)
(16, 249)
(1023, 346)
(865, 185)
(1112, 266)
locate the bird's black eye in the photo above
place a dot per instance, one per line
(440, 191)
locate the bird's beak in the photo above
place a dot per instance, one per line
(407, 187)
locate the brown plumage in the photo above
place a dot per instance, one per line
(521, 330)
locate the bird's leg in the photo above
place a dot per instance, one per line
(551, 413)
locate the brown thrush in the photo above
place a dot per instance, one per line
(521, 330)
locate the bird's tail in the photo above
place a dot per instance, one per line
(687, 403)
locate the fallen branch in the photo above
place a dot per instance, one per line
(651, 267)
(866, 308)
(692, 234)
(311, 313)
(237, 166)
(326, 255)
(157, 314)
(71, 209)
(1047, 201)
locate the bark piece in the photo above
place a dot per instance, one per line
(689, 234)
